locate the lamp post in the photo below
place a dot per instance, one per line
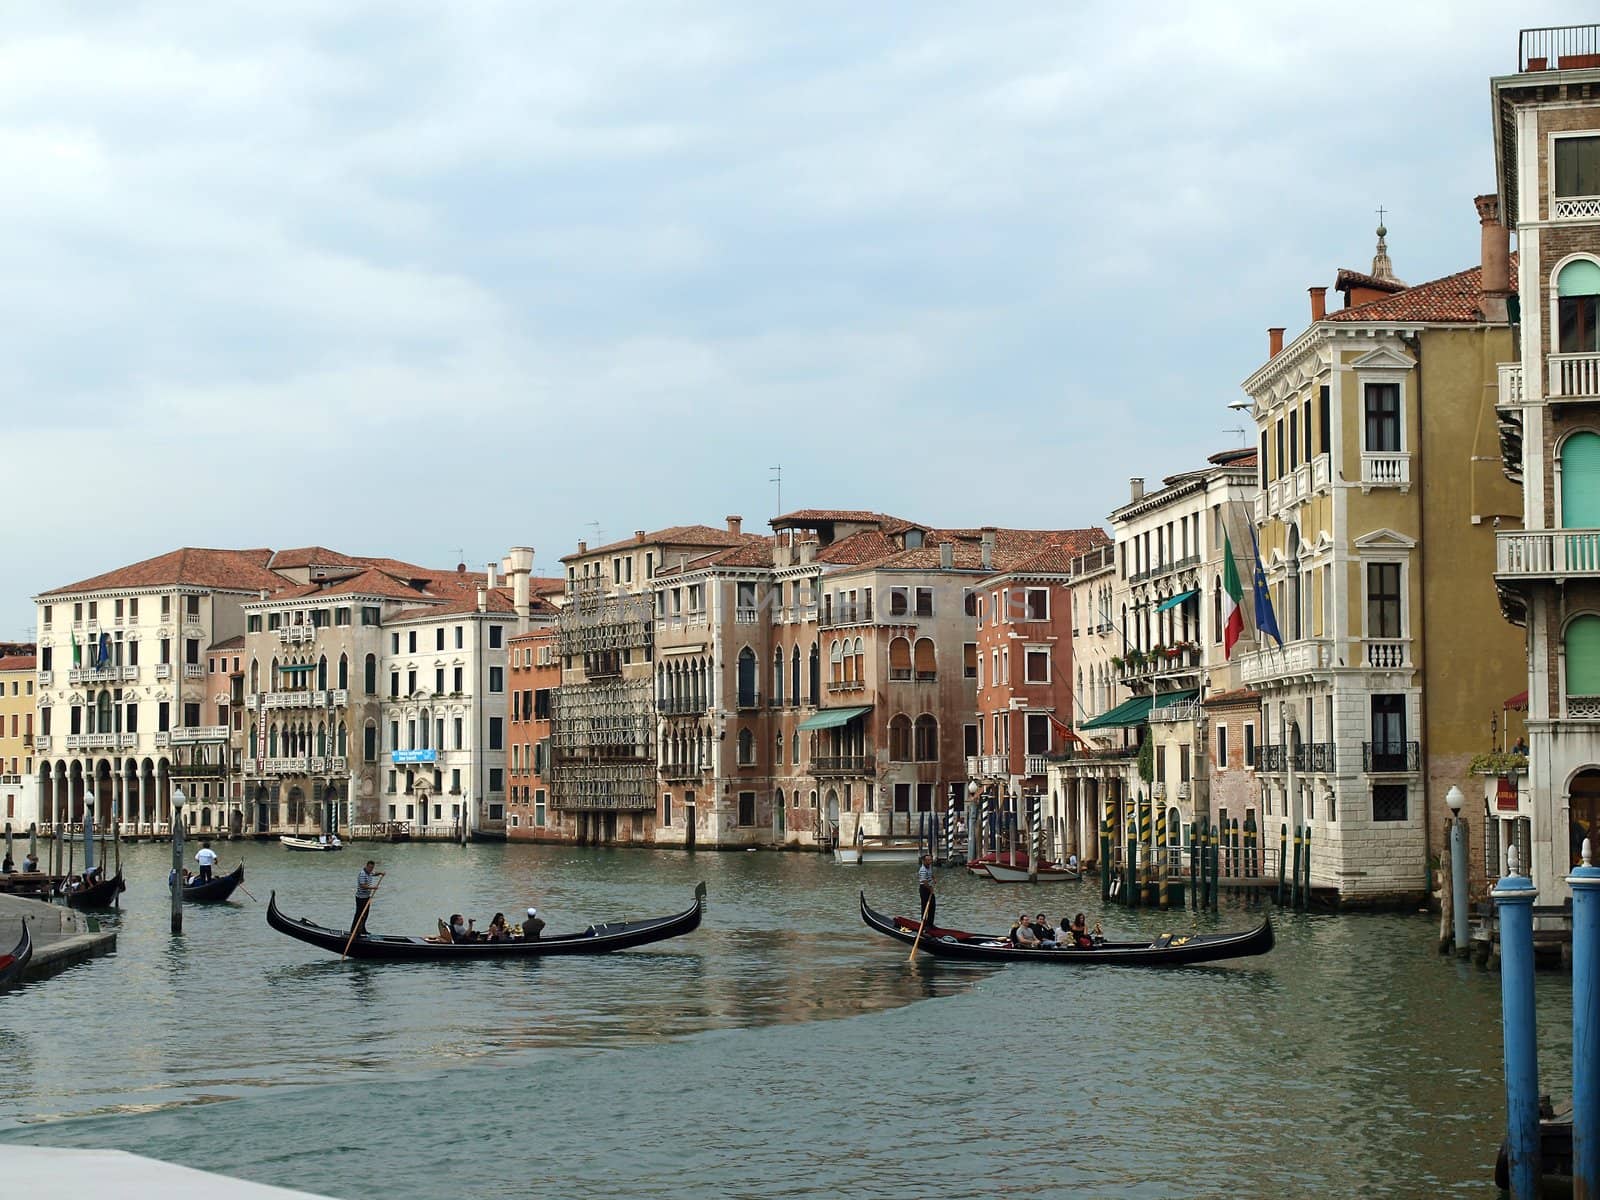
(177, 858)
(1458, 871)
(972, 817)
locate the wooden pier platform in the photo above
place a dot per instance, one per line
(61, 935)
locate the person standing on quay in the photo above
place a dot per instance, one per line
(925, 896)
(366, 889)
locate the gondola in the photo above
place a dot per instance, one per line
(597, 939)
(214, 890)
(99, 895)
(12, 965)
(1044, 873)
(1168, 950)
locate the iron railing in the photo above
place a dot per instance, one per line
(1390, 757)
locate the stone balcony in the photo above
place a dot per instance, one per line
(1385, 468)
(1510, 393)
(295, 635)
(189, 735)
(1573, 377)
(1552, 554)
(843, 764)
(313, 765)
(1279, 663)
(107, 674)
(338, 697)
(102, 741)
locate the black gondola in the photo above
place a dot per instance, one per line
(597, 939)
(12, 965)
(1166, 951)
(213, 890)
(97, 895)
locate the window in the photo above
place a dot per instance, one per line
(1279, 462)
(1577, 293)
(747, 748)
(411, 641)
(539, 807)
(1577, 166)
(1383, 600)
(1249, 744)
(1222, 747)
(1294, 438)
(900, 738)
(1037, 661)
(1038, 733)
(924, 602)
(899, 602)
(497, 635)
(1389, 801)
(1383, 416)
(370, 614)
(926, 736)
(369, 743)
(411, 683)
(1324, 420)
(1038, 604)
(497, 779)
(458, 730)
(925, 661)
(747, 808)
(969, 660)
(1389, 750)
(902, 797)
(497, 679)
(455, 681)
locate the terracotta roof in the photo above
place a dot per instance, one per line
(498, 601)
(1236, 696)
(228, 570)
(866, 546)
(823, 516)
(546, 585)
(1453, 298)
(678, 535)
(309, 556)
(756, 552)
(1238, 457)
(18, 662)
(1347, 278)
(233, 643)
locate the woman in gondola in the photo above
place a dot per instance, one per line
(499, 931)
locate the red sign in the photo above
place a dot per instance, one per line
(1505, 796)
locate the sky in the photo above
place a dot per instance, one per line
(431, 280)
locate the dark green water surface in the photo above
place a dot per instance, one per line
(781, 1050)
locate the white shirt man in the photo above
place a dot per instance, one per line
(205, 858)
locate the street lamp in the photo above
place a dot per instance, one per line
(177, 858)
(1458, 870)
(974, 827)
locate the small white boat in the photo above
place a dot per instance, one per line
(891, 852)
(978, 868)
(1047, 873)
(847, 856)
(298, 843)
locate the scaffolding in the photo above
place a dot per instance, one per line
(595, 622)
(603, 745)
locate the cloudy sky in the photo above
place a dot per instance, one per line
(416, 279)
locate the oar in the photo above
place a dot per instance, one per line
(360, 921)
(920, 925)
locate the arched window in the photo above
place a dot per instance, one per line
(255, 676)
(900, 738)
(322, 739)
(272, 742)
(747, 678)
(927, 738)
(1577, 292)
(816, 674)
(344, 671)
(835, 662)
(925, 660)
(369, 742)
(369, 675)
(343, 750)
(900, 659)
(1580, 489)
(794, 677)
(322, 673)
(423, 727)
(274, 676)
(858, 670)
(1583, 657)
(778, 757)
(747, 747)
(777, 675)
(779, 797)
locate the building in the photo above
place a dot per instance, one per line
(19, 794)
(1380, 488)
(1547, 165)
(534, 677)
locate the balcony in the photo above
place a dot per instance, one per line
(681, 706)
(1272, 758)
(852, 685)
(313, 765)
(1034, 764)
(1321, 473)
(163, 670)
(988, 766)
(42, 743)
(1162, 662)
(193, 671)
(192, 734)
(1275, 663)
(1385, 468)
(843, 764)
(1390, 758)
(1559, 47)
(293, 699)
(1575, 208)
(295, 635)
(1573, 377)
(1261, 508)
(1187, 710)
(1510, 393)
(1548, 554)
(107, 674)
(1388, 654)
(846, 614)
(46, 678)
(747, 701)
(682, 770)
(102, 741)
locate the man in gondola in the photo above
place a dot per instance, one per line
(366, 888)
(205, 858)
(532, 926)
(925, 897)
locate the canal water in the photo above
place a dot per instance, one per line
(781, 1050)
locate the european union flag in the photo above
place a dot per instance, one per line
(1266, 619)
(105, 650)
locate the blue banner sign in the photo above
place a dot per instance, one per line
(414, 756)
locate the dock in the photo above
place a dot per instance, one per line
(61, 935)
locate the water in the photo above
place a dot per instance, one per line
(781, 1050)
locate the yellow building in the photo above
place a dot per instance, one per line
(18, 790)
(1381, 487)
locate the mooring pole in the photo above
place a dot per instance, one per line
(1585, 884)
(1216, 841)
(177, 857)
(1458, 872)
(1513, 899)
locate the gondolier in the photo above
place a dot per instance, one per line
(366, 889)
(925, 897)
(205, 858)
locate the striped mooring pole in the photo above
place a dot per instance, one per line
(1215, 846)
(1305, 885)
(1147, 888)
(1163, 894)
(1036, 827)
(949, 829)
(1283, 857)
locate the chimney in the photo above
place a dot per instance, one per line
(734, 523)
(583, 547)
(519, 565)
(1136, 488)
(808, 550)
(1275, 341)
(263, 593)
(1496, 248)
(483, 599)
(1319, 302)
(947, 555)
(490, 573)
(638, 536)
(987, 558)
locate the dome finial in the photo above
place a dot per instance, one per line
(1382, 268)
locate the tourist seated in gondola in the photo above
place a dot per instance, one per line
(461, 929)
(1022, 935)
(1063, 933)
(1042, 931)
(532, 926)
(1080, 933)
(498, 930)
(30, 863)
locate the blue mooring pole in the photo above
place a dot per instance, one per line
(1585, 884)
(1513, 899)
(1459, 875)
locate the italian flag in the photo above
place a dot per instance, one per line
(1232, 614)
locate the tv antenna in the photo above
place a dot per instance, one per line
(777, 478)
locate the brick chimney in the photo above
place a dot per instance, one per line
(1275, 341)
(1319, 302)
(638, 535)
(734, 523)
(583, 547)
(1496, 249)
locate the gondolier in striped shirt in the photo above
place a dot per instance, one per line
(366, 888)
(925, 897)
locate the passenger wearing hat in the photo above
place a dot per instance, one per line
(532, 926)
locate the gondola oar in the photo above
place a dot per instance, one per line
(920, 926)
(360, 921)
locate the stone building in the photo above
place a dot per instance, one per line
(19, 787)
(1547, 163)
(534, 677)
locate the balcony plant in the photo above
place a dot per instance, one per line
(1498, 762)
(1116, 662)
(1135, 660)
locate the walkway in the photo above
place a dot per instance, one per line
(61, 935)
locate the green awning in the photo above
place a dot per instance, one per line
(1172, 699)
(298, 667)
(830, 718)
(1125, 715)
(1174, 601)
